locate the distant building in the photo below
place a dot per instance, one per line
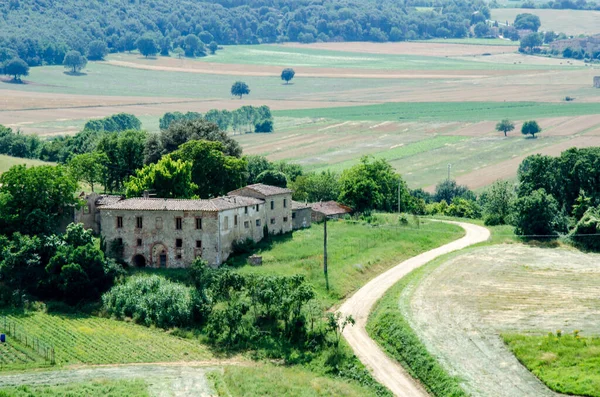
(330, 209)
(301, 215)
(172, 233)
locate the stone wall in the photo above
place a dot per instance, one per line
(301, 218)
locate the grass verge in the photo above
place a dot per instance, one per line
(99, 388)
(568, 364)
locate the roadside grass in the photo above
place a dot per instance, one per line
(568, 364)
(357, 251)
(96, 388)
(271, 380)
(390, 327)
(8, 161)
(85, 339)
(447, 111)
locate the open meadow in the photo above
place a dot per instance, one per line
(570, 22)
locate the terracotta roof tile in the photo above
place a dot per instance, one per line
(106, 199)
(266, 190)
(296, 205)
(330, 208)
(156, 204)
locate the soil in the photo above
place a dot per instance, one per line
(386, 370)
(460, 309)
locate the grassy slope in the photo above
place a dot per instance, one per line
(571, 22)
(568, 364)
(448, 111)
(270, 380)
(356, 253)
(94, 340)
(100, 388)
(389, 327)
(7, 161)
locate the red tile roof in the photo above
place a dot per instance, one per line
(156, 204)
(330, 208)
(265, 190)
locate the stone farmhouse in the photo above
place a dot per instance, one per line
(171, 233)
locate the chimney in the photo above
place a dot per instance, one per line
(146, 194)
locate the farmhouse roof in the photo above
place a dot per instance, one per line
(156, 204)
(265, 190)
(328, 208)
(296, 205)
(107, 199)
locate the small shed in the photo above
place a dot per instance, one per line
(301, 215)
(330, 209)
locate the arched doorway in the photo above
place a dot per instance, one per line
(139, 261)
(159, 255)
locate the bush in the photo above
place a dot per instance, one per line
(263, 126)
(154, 300)
(538, 215)
(585, 233)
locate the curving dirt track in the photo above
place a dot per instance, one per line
(387, 371)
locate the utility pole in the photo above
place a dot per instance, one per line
(399, 202)
(325, 253)
(449, 166)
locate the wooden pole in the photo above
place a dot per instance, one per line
(325, 253)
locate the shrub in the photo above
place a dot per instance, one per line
(154, 300)
(585, 233)
(263, 126)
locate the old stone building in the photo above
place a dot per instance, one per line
(172, 233)
(301, 215)
(329, 209)
(88, 214)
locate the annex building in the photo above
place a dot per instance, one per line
(172, 232)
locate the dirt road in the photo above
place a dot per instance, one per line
(387, 371)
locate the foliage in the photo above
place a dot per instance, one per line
(586, 232)
(314, 187)
(371, 185)
(213, 172)
(89, 168)
(239, 88)
(566, 363)
(272, 177)
(17, 68)
(538, 215)
(154, 300)
(97, 50)
(17, 144)
(527, 21)
(147, 46)
(287, 75)
(33, 200)
(263, 126)
(114, 123)
(74, 61)
(256, 166)
(531, 42)
(496, 202)
(170, 117)
(505, 126)
(166, 179)
(192, 46)
(530, 127)
(125, 153)
(448, 190)
(94, 388)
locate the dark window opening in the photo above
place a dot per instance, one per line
(235, 220)
(198, 244)
(285, 219)
(272, 221)
(246, 210)
(272, 205)
(293, 215)
(178, 223)
(179, 243)
(139, 222)
(119, 222)
(246, 224)
(198, 223)
(284, 203)
(258, 222)
(139, 242)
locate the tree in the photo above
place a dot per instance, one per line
(170, 117)
(114, 123)
(256, 165)
(313, 187)
(165, 46)
(240, 88)
(272, 177)
(481, 30)
(530, 42)
(505, 126)
(179, 52)
(125, 153)
(287, 75)
(147, 46)
(33, 200)
(496, 203)
(371, 185)
(265, 125)
(213, 47)
(538, 215)
(166, 179)
(448, 190)
(75, 61)
(17, 68)
(527, 22)
(213, 171)
(97, 50)
(530, 128)
(89, 168)
(193, 46)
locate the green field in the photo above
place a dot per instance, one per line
(13, 355)
(7, 161)
(570, 22)
(568, 364)
(356, 252)
(447, 111)
(94, 340)
(270, 380)
(99, 388)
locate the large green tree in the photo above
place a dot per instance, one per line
(16, 68)
(538, 216)
(213, 171)
(527, 21)
(147, 46)
(239, 88)
(34, 200)
(531, 128)
(287, 75)
(313, 187)
(74, 61)
(125, 153)
(166, 179)
(505, 126)
(90, 168)
(496, 202)
(97, 50)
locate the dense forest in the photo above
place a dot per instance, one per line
(43, 31)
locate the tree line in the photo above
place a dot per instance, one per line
(39, 32)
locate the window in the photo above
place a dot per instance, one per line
(258, 222)
(119, 222)
(284, 203)
(293, 215)
(226, 223)
(120, 241)
(159, 223)
(198, 243)
(179, 243)
(246, 224)
(235, 220)
(198, 223)
(178, 223)
(246, 210)
(285, 219)
(257, 207)
(139, 222)
(272, 221)
(139, 242)
(272, 204)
